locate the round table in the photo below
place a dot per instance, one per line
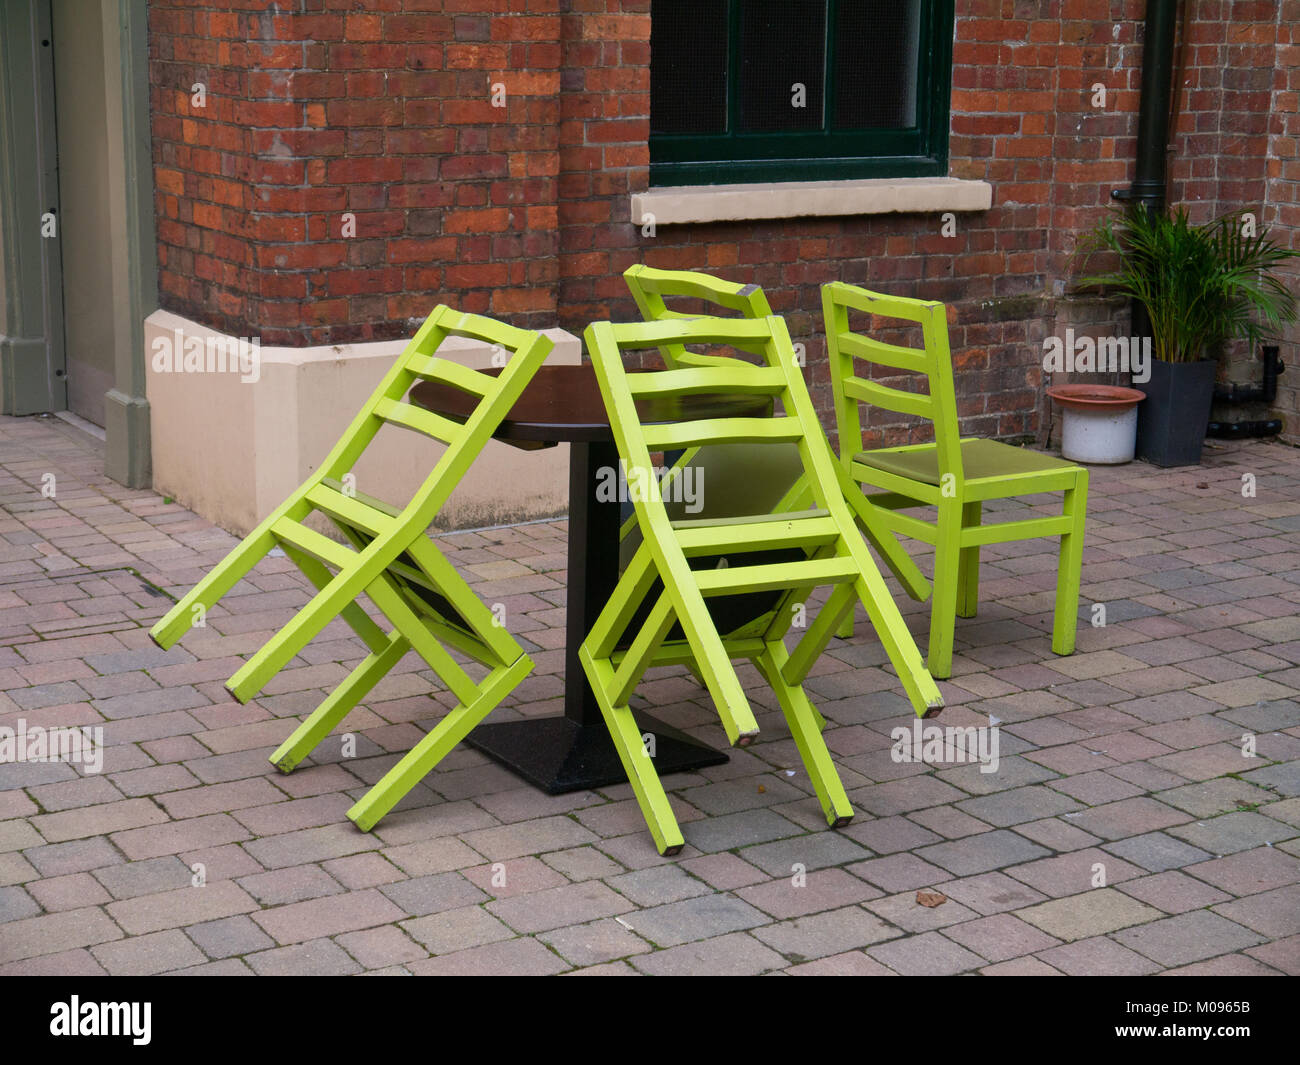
(563, 403)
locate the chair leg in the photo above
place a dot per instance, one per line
(806, 727)
(419, 761)
(1070, 565)
(338, 703)
(943, 606)
(626, 734)
(968, 566)
(209, 591)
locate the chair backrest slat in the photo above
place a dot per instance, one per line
(721, 431)
(715, 377)
(455, 374)
(422, 421)
(846, 348)
(650, 286)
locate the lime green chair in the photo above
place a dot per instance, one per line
(746, 475)
(704, 591)
(390, 558)
(953, 474)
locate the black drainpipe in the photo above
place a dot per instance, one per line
(1149, 180)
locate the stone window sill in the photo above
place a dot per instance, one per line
(803, 199)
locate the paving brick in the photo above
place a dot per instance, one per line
(73, 794)
(1187, 938)
(929, 954)
(1071, 874)
(658, 885)
(229, 936)
(904, 912)
(432, 856)
(517, 877)
(725, 872)
(692, 919)
(15, 869)
(1282, 955)
(220, 798)
(571, 904)
(818, 850)
(56, 933)
(1234, 832)
(453, 931)
(1020, 967)
(1000, 937)
(98, 820)
(1174, 892)
(1094, 913)
(144, 955)
(69, 892)
(363, 870)
(528, 837)
(15, 903)
(1128, 817)
(78, 856)
(176, 836)
(732, 831)
(377, 947)
(295, 884)
(982, 853)
(818, 935)
(317, 957)
(899, 872)
(516, 957)
(728, 955)
(1097, 956)
(850, 963)
(1275, 914)
(311, 845)
(594, 943)
(301, 921)
(1249, 872)
(180, 907)
(433, 894)
(888, 835)
(990, 893)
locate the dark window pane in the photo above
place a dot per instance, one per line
(688, 66)
(876, 55)
(782, 44)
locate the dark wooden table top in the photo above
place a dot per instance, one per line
(564, 403)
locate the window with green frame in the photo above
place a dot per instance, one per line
(797, 90)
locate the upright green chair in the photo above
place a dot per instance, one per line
(389, 558)
(677, 600)
(955, 475)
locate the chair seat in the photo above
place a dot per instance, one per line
(979, 459)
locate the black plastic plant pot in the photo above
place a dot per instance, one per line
(1173, 420)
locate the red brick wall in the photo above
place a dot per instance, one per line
(523, 211)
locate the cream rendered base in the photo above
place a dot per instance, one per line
(231, 451)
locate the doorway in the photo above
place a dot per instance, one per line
(85, 209)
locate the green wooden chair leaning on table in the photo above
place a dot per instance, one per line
(391, 559)
(776, 482)
(675, 602)
(955, 475)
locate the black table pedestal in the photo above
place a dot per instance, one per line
(574, 752)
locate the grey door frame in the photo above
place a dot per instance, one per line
(32, 359)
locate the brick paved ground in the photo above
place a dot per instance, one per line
(1124, 831)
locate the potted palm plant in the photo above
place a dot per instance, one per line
(1201, 286)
